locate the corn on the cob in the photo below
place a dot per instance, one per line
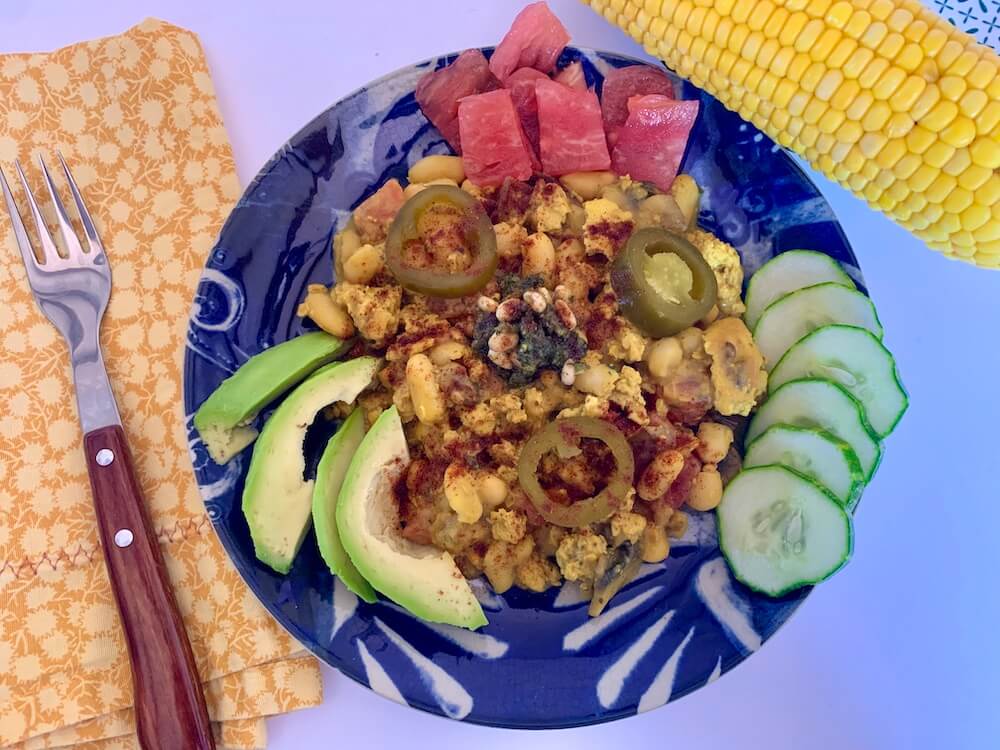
(883, 96)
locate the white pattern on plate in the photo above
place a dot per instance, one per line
(610, 686)
(378, 678)
(716, 591)
(662, 686)
(580, 636)
(345, 604)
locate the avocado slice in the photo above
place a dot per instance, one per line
(223, 419)
(329, 478)
(424, 580)
(277, 500)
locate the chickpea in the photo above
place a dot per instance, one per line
(691, 341)
(587, 185)
(660, 474)
(492, 490)
(714, 439)
(498, 565)
(598, 380)
(539, 256)
(412, 189)
(346, 243)
(436, 167)
(447, 351)
(319, 307)
(663, 356)
(655, 545)
(677, 525)
(362, 266)
(706, 489)
(428, 403)
(511, 239)
(460, 491)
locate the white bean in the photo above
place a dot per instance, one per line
(436, 167)
(428, 403)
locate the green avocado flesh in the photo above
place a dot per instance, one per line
(223, 419)
(277, 500)
(329, 478)
(424, 580)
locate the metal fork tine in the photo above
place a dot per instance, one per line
(93, 239)
(73, 248)
(23, 243)
(49, 252)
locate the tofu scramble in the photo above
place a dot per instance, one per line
(476, 377)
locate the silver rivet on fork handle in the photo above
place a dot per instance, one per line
(104, 457)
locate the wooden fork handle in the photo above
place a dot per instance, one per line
(170, 712)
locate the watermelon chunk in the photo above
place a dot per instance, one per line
(439, 91)
(535, 40)
(522, 90)
(494, 145)
(651, 143)
(570, 130)
(572, 76)
(621, 84)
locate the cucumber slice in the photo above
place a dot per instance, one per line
(820, 403)
(787, 272)
(817, 454)
(856, 360)
(780, 531)
(788, 319)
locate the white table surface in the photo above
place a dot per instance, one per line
(900, 650)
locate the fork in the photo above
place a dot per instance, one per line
(72, 291)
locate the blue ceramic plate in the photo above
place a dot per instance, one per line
(541, 662)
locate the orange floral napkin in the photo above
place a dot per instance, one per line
(136, 117)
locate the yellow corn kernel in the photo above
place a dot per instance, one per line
(957, 201)
(845, 95)
(933, 41)
(952, 87)
(899, 19)
(753, 79)
(845, 47)
(939, 154)
(960, 132)
(963, 64)
(809, 135)
(854, 160)
(782, 60)
(698, 48)
(975, 216)
(740, 71)
(839, 14)
(906, 166)
(825, 143)
(858, 23)
(948, 53)
(768, 83)
(876, 117)
(916, 202)
(850, 132)
(797, 104)
(776, 23)
(891, 153)
(809, 34)
(939, 189)
(974, 176)
(856, 182)
(982, 73)
(681, 13)
(904, 97)
(821, 49)
(812, 76)
(889, 82)
(860, 105)
(989, 248)
(872, 192)
(710, 24)
(798, 67)
(948, 223)
(940, 116)
(831, 121)
(795, 125)
(874, 34)
(818, 8)
(780, 118)
(726, 62)
(760, 15)
(910, 57)
(922, 178)
(752, 45)
(973, 102)
(899, 191)
(783, 93)
(899, 125)
(742, 10)
(695, 20)
(919, 139)
(916, 31)
(872, 72)
(792, 28)
(887, 203)
(871, 144)
(891, 46)
(933, 212)
(767, 52)
(684, 41)
(925, 102)
(881, 9)
(841, 173)
(885, 179)
(958, 162)
(986, 152)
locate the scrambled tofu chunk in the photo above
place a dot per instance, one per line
(628, 344)
(508, 525)
(549, 206)
(579, 553)
(725, 263)
(592, 406)
(606, 227)
(737, 369)
(537, 574)
(374, 310)
(480, 419)
(509, 408)
(627, 393)
(511, 239)
(627, 527)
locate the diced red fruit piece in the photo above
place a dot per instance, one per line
(439, 91)
(649, 101)
(572, 76)
(535, 40)
(620, 84)
(494, 145)
(570, 130)
(373, 215)
(651, 144)
(521, 84)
